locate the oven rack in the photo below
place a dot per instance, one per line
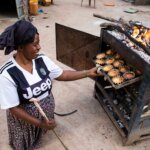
(125, 83)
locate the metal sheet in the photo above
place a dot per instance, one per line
(76, 48)
(22, 9)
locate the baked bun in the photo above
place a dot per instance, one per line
(129, 75)
(110, 52)
(106, 68)
(123, 69)
(100, 56)
(118, 63)
(113, 72)
(117, 56)
(100, 61)
(117, 79)
(109, 61)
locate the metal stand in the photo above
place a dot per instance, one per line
(89, 3)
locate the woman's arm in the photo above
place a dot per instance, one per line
(69, 75)
(22, 114)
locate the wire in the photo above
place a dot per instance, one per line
(65, 114)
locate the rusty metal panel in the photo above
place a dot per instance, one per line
(142, 2)
(76, 48)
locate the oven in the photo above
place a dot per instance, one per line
(126, 102)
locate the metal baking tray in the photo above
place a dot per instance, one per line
(118, 86)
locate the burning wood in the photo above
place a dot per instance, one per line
(137, 39)
(136, 32)
(133, 28)
(136, 48)
(141, 34)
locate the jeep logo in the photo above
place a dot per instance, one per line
(31, 92)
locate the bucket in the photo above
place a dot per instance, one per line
(46, 2)
(33, 7)
(34, 1)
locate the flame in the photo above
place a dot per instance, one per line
(141, 37)
(136, 32)
(146, 35)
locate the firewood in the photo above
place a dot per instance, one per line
(120, 22)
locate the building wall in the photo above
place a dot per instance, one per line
(142, 2)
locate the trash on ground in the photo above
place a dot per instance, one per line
(131, 10)
(109, 3)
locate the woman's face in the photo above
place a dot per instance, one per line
(31, 50)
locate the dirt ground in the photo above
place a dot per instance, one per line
(89, 128)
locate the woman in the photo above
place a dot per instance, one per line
(27, 75)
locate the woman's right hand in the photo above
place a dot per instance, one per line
(48, 124)
(22, 114)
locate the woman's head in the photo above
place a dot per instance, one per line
(19, 34)
(30, 50)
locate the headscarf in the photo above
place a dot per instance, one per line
(21, 32)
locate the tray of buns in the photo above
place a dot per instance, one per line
(116, 70)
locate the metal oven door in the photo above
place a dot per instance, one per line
(75, 48)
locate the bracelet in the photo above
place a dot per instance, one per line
(85, 73)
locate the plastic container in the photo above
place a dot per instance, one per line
(34, 1)
(33, 7)
(46, 2)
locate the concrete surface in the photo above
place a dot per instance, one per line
(89, 128)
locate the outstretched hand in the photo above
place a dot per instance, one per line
(93, 72)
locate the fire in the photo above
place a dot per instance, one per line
(146, 35)
(141, 34)
(139, 39)
(136, 32)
